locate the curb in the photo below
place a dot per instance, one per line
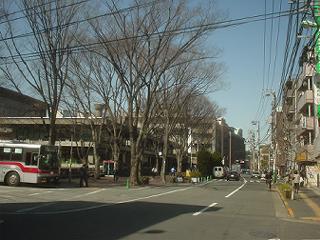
(285, 203)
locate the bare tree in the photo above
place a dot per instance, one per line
(196, 120)
(41, 56)
(95, 88)
(184, 81)
(142, 44)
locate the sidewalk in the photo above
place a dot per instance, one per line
(306, 205)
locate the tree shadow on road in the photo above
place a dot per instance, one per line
(80, 220)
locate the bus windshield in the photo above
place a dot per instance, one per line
(48, 159)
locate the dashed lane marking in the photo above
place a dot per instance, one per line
(204, 209)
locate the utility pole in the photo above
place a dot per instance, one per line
(273, 137)
(230, 152)
(257, 123)
(222, 139)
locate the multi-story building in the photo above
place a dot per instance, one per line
(297, 131)
(228, 142)
(305, 110)
(74, 133)
(14, 104)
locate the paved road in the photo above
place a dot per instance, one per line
(217, 210)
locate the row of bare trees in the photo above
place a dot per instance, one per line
(146, 64)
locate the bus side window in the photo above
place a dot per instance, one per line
(16, 155)
(5, 154)
(28, 158)
(34, 159)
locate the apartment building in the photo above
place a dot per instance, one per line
(297, 129)
(306, 120)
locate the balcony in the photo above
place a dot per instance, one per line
(305, 153)
(305, 124)
(289, 94)
(308, 70)
(306, 98)
(289, 110)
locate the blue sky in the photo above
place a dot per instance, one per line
(243, 55)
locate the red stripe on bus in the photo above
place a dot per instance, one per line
(22, 167)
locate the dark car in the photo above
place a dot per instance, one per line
(233, 175)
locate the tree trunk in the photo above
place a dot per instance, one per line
(179, 161)
(52, 131)
(134, 165)
(165, 151)
(96, 161)
(164, 158)
(115, 155)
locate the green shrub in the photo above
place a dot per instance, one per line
(283, 188)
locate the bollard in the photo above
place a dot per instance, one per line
(207, 178)
(127, 183)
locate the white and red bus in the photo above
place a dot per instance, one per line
(28, 163)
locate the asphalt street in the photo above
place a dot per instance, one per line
(215, 210)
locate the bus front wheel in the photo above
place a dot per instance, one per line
(12, 179)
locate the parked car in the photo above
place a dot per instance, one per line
(255, 175)
(233, 175)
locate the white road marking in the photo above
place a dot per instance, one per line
(38, 193)
(35, 207)
(24, 210)
(233, 192)
(137, 189)
(154, 195)
(204, 209)
(85, 194)
(93, 207)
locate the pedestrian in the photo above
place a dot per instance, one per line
(84, 176)
(296, 181)
(154, 171)
(115, 175)
(173, 171)
(269, 179)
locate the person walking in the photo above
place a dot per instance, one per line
(84, 176)
(269, 179)
(296, 181)
(115, 175)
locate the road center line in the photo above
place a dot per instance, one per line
(155, 195)
(35, 207)
(204, 209)
(233, 192)
(38, 193)
(112, 204)
(24, 210)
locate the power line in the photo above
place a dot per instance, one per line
(207, 27)
(276, 48)
(34, 7)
